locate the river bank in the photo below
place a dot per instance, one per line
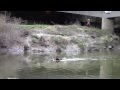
(52, 39)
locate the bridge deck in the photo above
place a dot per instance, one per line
(96, 13)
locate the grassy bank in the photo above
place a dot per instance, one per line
(38, 26)
(15, 36)
(64, 28)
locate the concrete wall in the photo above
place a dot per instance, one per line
(108, 24)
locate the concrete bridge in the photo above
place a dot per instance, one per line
(100, 14)
(107, 18)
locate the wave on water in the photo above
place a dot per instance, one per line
(75, 59)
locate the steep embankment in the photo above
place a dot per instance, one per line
(71, 39)
(40, 39)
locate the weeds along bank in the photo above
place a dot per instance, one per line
(45, 39)
(11, 35)
(72, 39)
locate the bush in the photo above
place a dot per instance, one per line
(78, 41)
(10, 32)
(60, 41)
(109, 39)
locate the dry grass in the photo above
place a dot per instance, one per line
(10, 32)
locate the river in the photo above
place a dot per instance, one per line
(82, 66)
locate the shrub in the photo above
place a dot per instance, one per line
(60, 41)
(77, 41)
(10, 32)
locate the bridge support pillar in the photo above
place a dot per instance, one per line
(108, 24)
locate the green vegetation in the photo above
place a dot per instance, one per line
(60, 41)
(109, 39)
(38, 26)
(66, 30)
(80, 35)
(51, 36)
(78, 41)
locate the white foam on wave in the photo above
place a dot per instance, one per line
(76, 59)
(11, 78)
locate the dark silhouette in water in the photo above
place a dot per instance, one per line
(58, 51)
(58, 59)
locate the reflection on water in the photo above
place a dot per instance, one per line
(96, 66)
(106, 69)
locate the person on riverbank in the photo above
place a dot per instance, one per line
(88, 23)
